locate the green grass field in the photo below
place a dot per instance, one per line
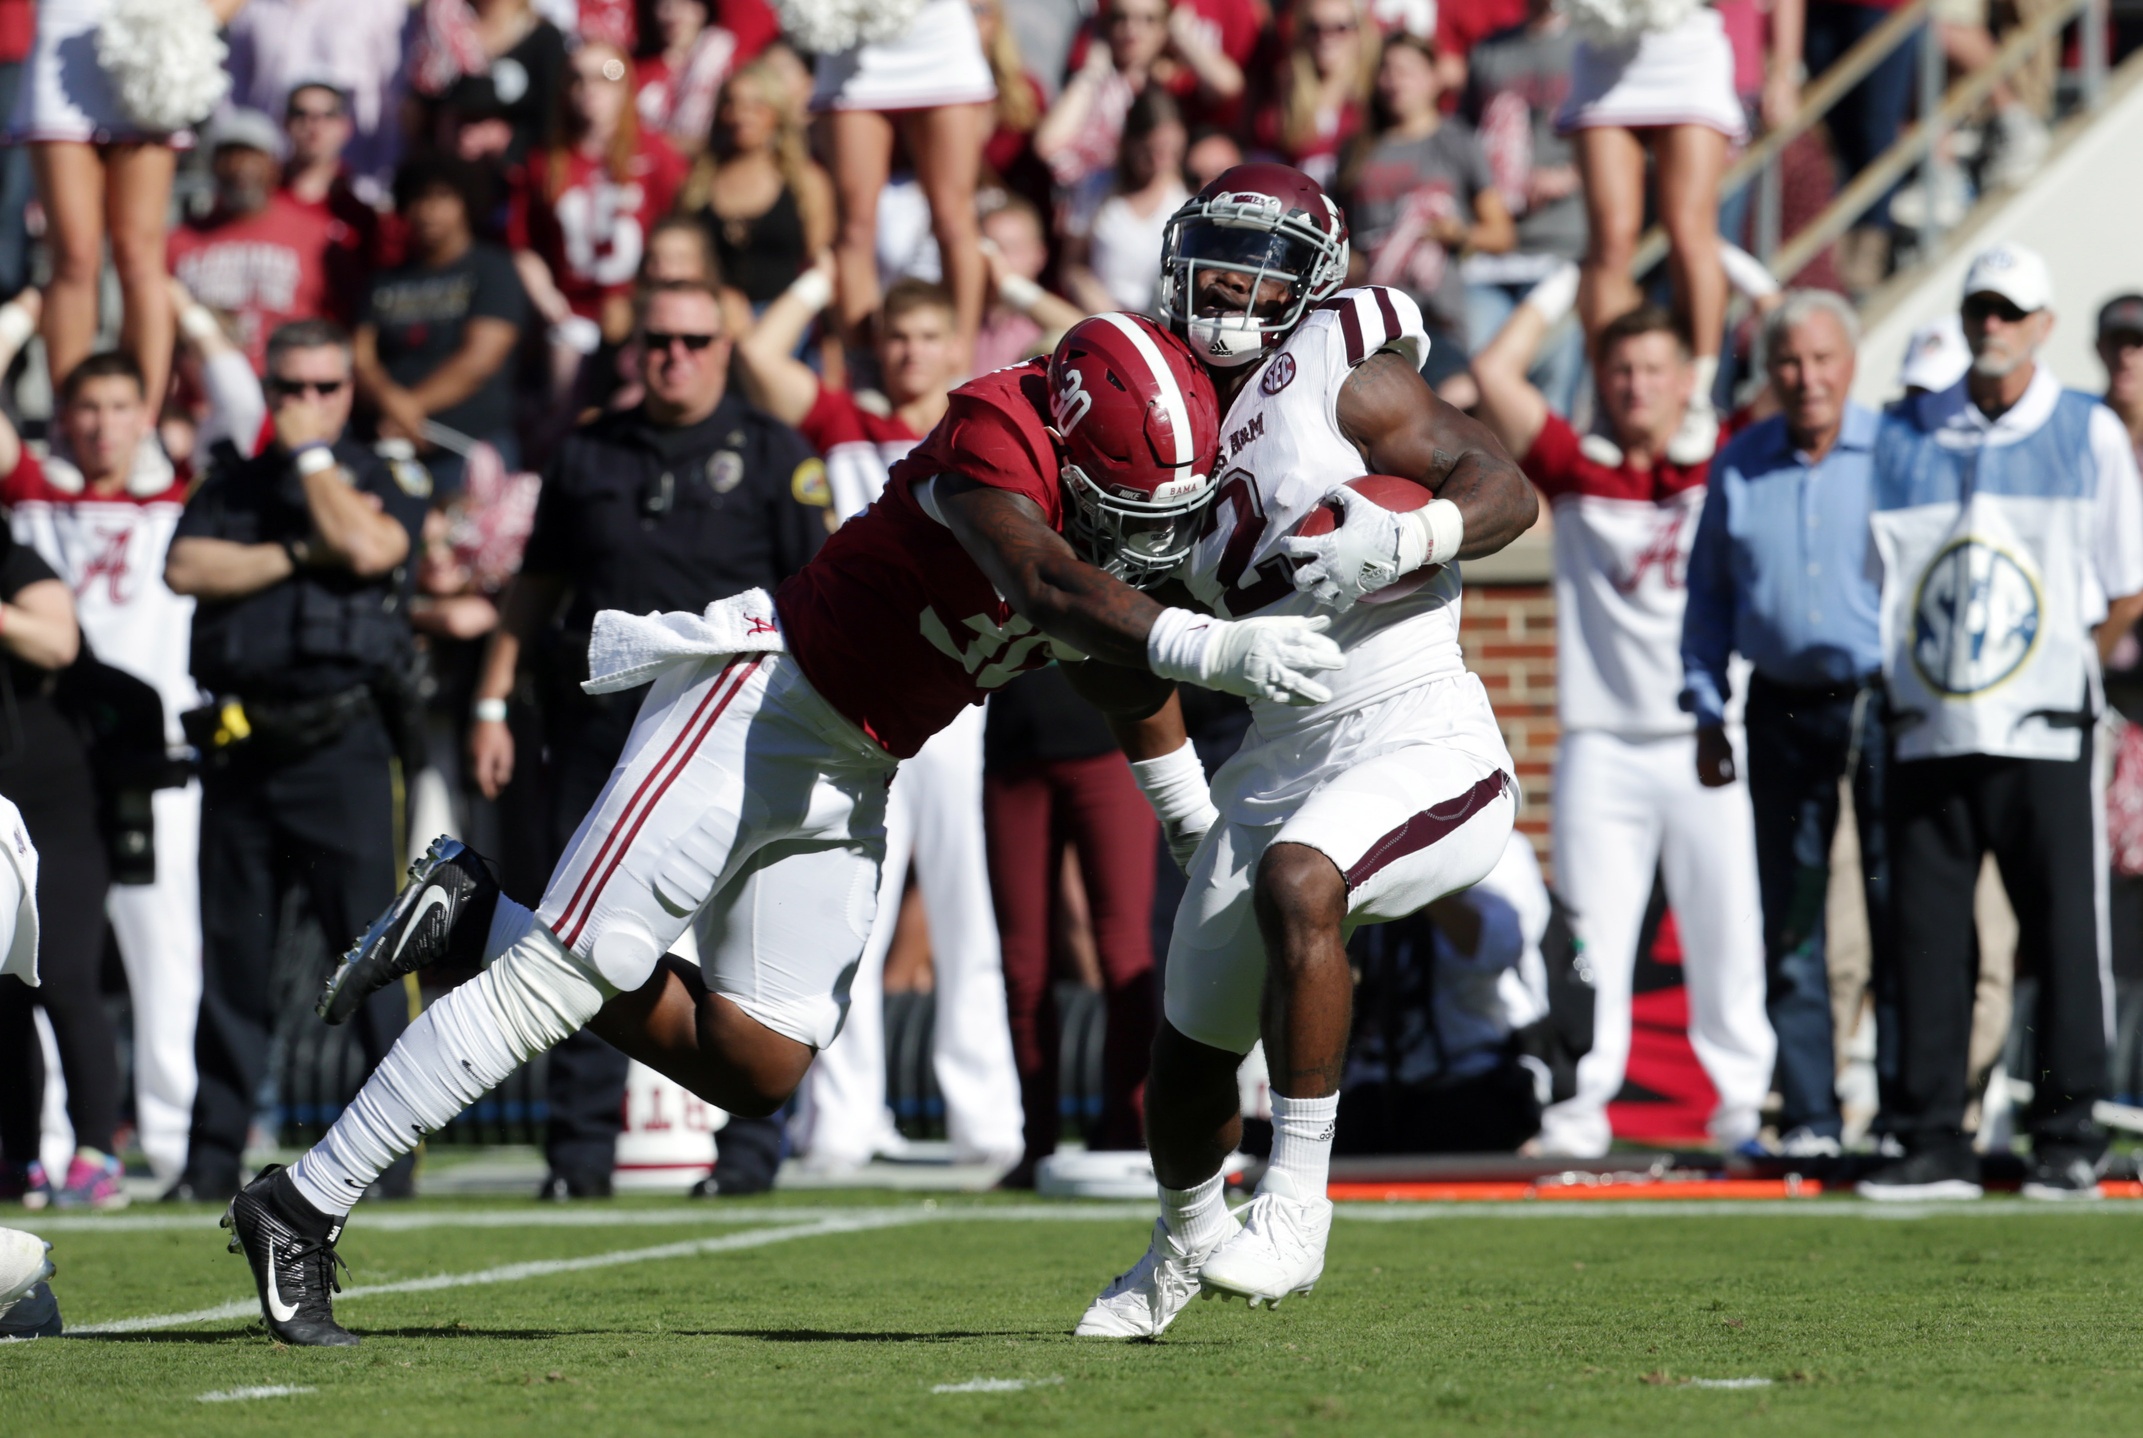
(851, 1314)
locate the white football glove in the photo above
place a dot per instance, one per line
(1358, 556)
(1270, 659)
(1175, 785)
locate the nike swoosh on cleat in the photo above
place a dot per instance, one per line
(434, 898)
(280, 1311)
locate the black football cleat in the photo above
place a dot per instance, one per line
(291, 1247)
(442, 916)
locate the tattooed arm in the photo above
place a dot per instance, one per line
(1042, 577)
(1402, 428)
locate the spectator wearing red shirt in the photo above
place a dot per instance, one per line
(1322, 90)
(674, 87)
(259, 257)
(581, 211)
(316, 122)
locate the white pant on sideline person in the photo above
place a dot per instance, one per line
(1624, 807)
(159, 931)
(934, 815)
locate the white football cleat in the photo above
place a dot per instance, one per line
(1142, 1302)
(27, 1308)
(1280, 1251)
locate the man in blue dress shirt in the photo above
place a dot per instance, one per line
(1780, 574)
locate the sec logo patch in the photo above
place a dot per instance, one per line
(1278, 375)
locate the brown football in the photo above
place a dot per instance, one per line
(1388, 491)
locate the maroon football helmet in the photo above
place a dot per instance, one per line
(1263, 221)
(1140, 429)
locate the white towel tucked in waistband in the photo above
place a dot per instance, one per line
(627, 650)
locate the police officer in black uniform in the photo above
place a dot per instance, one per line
(690, 497)
(296, 557)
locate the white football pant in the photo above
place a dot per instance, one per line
(934, 815)
(159, 931)
(1624, 807)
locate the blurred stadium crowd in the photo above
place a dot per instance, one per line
(628, 303)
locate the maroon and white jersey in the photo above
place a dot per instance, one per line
(860, 447)
(1281, 452)
(892, 621)
(110, 551)
(1622, 539)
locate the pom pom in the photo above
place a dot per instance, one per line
(828, 27)
(165, 61)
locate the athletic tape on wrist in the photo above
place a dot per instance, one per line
(1175, 647)
(1174, 784)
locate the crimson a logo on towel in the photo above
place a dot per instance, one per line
(1278, 375)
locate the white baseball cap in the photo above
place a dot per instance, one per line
(2015, 273)
(1936, 356)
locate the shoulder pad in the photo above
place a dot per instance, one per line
(1377, 317)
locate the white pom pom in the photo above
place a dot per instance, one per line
(165, 61)
(828, 27)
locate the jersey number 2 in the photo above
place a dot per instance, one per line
(1271, 581)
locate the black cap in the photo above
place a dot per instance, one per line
(2121, 315)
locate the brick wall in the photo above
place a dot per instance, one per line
(1509, 635)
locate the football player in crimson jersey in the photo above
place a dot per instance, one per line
(1392, 792)
(750, 800)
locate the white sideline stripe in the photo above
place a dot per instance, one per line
(516, 1272)
(1403, 1211)
(704, 1213)
(240, 1395)
(1008, 1385)
(1727, 1383)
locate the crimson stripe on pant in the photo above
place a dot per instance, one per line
(636, 811)
(1425, 828)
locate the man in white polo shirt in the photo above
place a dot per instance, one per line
(2008, 523)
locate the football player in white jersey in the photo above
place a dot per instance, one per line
(1390, 792)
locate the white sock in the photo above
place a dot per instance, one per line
(457, 1051)
(1707, 373)
(1302, 1141)
(510, 923)
(1198, 1217)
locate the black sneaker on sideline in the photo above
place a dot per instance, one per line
(291, 1248)
(563, 1185)
(1928, 1174)
(2062, 1175)
(441, 916)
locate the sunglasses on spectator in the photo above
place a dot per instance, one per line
(659, 341)
(292, 388)
(1134, 17)
(1980, 308)
(1334, 27)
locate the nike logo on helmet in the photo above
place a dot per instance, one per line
(280, 1311)
(434, 898)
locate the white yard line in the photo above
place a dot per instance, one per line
(855, 1222)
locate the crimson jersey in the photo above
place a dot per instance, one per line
(589, 228)
(263, 269)
(892, 622)
(860, 447)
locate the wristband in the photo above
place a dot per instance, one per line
(16, 326)
(1176, 645)
(196, 323)
(1019, 292)
(1430, 535)
(298, 551)
(489, 711)
(312, 459)
(1746, 273)
(812, 290)
(1174, 784)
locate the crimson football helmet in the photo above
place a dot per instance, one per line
(1265, 221)
(1139, 426)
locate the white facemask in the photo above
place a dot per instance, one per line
(1226, 341)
